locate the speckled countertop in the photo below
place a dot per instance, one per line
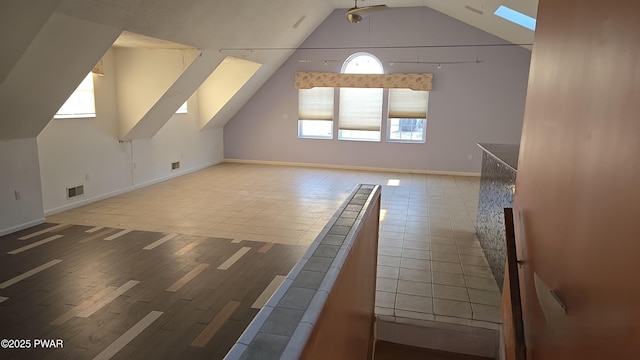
(506, 153)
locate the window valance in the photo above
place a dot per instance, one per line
(308, 80)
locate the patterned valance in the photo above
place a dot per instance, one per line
(308, 80)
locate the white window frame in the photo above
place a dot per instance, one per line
(315, 109)
(407, 105)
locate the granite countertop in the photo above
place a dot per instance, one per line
(506, 153)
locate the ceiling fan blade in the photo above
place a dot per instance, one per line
(366, 10)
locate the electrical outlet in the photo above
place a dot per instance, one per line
(18, 195)
(470, 157)
(87, 177)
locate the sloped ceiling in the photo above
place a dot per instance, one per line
(136, 41)
(24, 17)
(214, 25)
(58, 57)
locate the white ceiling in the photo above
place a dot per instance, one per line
(212, 25)
(132, 40)
(478, 13)
(251, 23)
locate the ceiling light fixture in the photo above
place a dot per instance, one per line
(355, 14)
(354, 18)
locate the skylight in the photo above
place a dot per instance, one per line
(516, 17)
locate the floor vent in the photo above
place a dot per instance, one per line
(175, 165)
(75, 191)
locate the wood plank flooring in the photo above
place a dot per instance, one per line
(129, 294)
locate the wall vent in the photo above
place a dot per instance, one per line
(479, 12)
(175, 165)
(295, 26)
(75, 191)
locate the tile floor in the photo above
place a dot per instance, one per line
(431, 266)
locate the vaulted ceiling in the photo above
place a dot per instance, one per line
(53, 46)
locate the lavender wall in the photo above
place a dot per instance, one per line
(470, 103)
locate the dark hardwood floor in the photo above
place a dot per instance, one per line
(183, 297)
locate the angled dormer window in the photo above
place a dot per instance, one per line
(81, 104)
(182, 109)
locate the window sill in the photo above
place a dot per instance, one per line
(315, 137)
(79, 116)
(407, 141)
(361, 140)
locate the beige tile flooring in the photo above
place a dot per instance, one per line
(430, 264)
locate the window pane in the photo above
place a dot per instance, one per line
(318, 129)
(182, 109)
(409, 130)
(407, 114)
(362, 63)
(81, 103)
(359, 135)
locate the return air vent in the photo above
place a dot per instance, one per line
(75, 191)
(175, 165)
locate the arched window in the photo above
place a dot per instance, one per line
(360, 111)
(362, 63)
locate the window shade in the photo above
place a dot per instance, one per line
(360, 109)
(315, 104)
(408, 104)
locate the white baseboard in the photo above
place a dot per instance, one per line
(23, 226)
(349, 167)
(90, 200)
(172, 176)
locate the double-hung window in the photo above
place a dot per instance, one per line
(315, 113)
(407, 115)
(361, 88)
